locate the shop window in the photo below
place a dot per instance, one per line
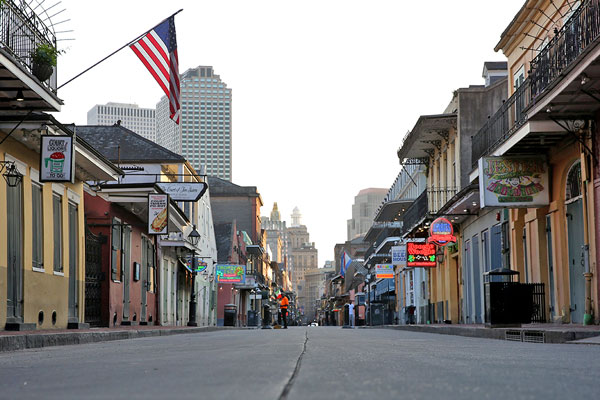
(38, 223)
(115, 262)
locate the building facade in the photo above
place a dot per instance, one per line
(140, 120)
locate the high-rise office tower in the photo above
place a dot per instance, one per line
(204, 136)
(139, 120)
(366, 204)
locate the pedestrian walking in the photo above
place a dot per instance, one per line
(351, 313)
(283, 306)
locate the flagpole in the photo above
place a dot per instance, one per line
(116, 51)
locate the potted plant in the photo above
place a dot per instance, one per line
(44, 60)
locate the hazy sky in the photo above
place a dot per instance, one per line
(323, 91)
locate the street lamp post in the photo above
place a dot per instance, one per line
(194, 237)
(368, 280)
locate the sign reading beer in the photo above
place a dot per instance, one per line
(56, 159)
(420, 254)
(441, 232)
(513, 181)
(384, 271)
(184, 191)
(399, 255)
(231, 273)
(158, 214)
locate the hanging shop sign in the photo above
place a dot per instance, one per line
(184, 191)
(158, 214)
(188, 262)
(399, 255)
(420, 254)
(513, 181)
(384, 271)
(441, 232)
(230, 273)
(56, 159)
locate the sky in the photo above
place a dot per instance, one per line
(323, 91)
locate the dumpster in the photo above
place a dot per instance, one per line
(230, 315)
(507, 302)
(252, 318)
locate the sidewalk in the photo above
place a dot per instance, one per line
(12, 340)
(536, 333)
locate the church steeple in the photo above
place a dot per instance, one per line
(275, 215)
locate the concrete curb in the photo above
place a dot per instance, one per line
(39, 340)
(549, 336)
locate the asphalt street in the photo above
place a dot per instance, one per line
(303, 363)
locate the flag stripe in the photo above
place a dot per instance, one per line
(151, 68)
(161, 64)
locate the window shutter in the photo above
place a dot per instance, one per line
(115, 246)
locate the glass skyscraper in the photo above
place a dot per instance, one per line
(204, 135)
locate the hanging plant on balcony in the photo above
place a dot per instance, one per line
(44, 60)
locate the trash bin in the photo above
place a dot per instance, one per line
(507, 302)
(252, 318)
(266, 315)
(346, 314)
(377, 316)
(230, 315)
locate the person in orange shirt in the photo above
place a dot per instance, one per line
(283, 305)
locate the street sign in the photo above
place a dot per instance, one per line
(399, 255)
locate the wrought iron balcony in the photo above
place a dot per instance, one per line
(415, 212)
(22, 31)
(503, 123)
(567, 46)
(574, 38)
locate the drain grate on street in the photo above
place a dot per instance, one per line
(513, 335)
(533, 336)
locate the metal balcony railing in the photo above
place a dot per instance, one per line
(437, 197)
(415, 212)
(503, 123)
(577, 35)
(581, 30)
(22, 31)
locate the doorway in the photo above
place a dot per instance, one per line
(575, 239)
(14, 284)
(73, 262)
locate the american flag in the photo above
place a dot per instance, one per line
(158, 51)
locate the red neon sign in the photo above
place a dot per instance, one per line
(420, 255)
(441, 232)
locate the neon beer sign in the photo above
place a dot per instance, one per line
(441, 232)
